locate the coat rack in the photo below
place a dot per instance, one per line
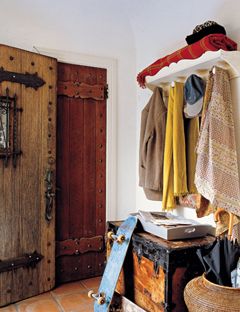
(229, 60)
(201, 66)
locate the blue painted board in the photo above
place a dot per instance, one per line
(115, 263)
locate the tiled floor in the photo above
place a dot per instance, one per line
(70, 297)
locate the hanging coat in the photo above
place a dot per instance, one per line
(152, 136)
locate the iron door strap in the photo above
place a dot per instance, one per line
(81, 90)
(29, 80)
(28, 260)
(49, 195)
(71, 247)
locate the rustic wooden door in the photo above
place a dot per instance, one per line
(81, 171)
(27, 160)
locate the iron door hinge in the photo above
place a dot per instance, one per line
(77, 246)
(28, 260)
(106, 92)
(29, 80)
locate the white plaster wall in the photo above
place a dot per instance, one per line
(160, 28)
(91, 27)
(136, 33)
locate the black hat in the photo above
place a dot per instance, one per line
(205, 29)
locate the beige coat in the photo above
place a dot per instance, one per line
(152, 136)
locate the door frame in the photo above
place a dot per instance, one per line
(111, 149)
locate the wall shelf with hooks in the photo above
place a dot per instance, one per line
(201, 66)
(229, 60)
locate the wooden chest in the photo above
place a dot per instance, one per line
(156, 271)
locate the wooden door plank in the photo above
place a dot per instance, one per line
(10, 189)
(88, 74)
(89, 180)
(37, 123)
(76, 139)
(90, 262)
(63, 168)
(89, 177)
(101, 109)
(47, 102)
(100, 168)
(30, 200)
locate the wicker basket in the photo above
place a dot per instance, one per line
(200, 295)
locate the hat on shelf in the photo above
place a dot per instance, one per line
(203, 30)
(194, 88)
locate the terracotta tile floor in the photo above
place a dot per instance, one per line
(70, 297)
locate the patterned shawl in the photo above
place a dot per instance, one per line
(216, 176)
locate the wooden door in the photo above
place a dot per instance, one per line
(27, 221)
(81, 171)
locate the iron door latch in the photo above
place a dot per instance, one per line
(49, 195)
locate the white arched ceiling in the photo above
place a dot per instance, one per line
(75, 24)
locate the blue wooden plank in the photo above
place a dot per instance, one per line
(115, 263)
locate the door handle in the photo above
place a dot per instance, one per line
(49, 195)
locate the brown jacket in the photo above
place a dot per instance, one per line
(152, 136)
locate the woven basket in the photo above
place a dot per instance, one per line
(200, 295)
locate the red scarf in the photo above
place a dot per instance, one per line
(213, 42)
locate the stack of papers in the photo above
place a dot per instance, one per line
(168, 226)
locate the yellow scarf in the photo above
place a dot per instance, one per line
(174, 175)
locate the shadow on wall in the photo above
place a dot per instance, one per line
(228, 15)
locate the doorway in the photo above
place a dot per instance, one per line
(81, 172)
(110, 64)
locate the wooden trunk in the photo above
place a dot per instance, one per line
(156, 271)
(121, 303)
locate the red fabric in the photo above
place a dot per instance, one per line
(211, 42)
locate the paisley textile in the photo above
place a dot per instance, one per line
(216, 176)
